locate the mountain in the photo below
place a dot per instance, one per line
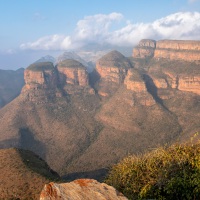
(11, 83)
(47, 58)
(23, 174)
(74, 56)
(82, 123)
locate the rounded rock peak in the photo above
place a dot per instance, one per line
(114, 59)
(70, 63)
(41, 66)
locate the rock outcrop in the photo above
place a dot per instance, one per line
(82, 189)
(72, 72)
(145, 49)
(112, 69)
(135, 83)
(170, 49)
(41, 81)
(40, 75)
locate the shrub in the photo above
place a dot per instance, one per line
(165, 173)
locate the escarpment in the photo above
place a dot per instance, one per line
(112, 69)
(43, 79)
(80, 127)
(169, 49)
(178, 61)
(145, 49)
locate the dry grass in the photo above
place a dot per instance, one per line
(23, 174)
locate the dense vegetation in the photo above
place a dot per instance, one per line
(165, 173)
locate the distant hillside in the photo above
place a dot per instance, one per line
(23, 174)
(11, 83)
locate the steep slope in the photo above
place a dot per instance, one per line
(48, 120)
(11, 83)
(23, 174)
(111, 69)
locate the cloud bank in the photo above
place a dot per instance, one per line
(99, 29)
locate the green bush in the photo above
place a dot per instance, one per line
(165, 173)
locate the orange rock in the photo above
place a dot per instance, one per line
(190, 84)
(72, 72)
(83, 189)
(134, 82)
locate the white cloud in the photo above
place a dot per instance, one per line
(99, 29)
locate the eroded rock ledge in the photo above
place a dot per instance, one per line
(86, 189)
(187, 50)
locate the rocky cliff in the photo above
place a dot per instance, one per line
(135, 83)
(176, 53)
(72, 72)
(170, 49)
(112, 69)
(145, 49)
(87, 189)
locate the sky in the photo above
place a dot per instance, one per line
(32, 29)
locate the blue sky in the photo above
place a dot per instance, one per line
(37, 27)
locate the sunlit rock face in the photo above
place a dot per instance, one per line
(112, 69)
(145, 49)
(87, 189)
(72, 72)
(178, 50)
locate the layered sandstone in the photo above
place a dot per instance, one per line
(87, 189)
(72, 72)
(169, 49)
(41, 81)
(145, 49)
(178, 50)
(112, 69)
(179, 75)
(135, 83)
(40, 75)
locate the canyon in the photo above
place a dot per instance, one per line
(82, 123)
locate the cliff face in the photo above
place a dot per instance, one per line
(170, 49)
(135, 83)
(145, 49)
(179, 58)
(72, 72)
(112, 69)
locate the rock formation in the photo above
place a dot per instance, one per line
(112, 69)
(83, 189)
(176, 52)
(72, 72)
(170, 49)
(80, 132)
(145, 49)
(135, 82)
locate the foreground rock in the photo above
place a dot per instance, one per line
(82, 189)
